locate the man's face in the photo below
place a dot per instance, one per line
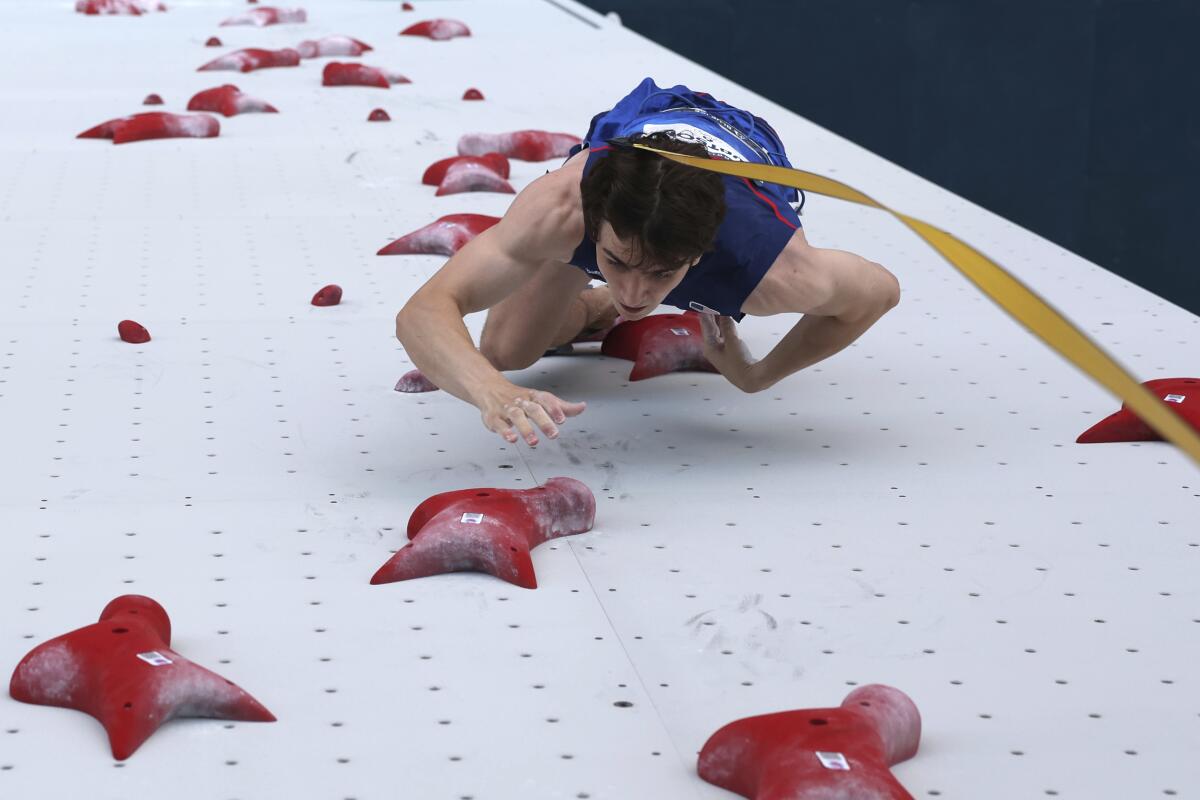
(636, 292)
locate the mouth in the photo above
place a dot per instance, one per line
(632, 309)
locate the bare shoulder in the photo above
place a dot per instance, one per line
(545, 221)
(822, 281)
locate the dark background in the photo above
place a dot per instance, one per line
(1076, 119)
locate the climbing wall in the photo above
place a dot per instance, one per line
(913, 512)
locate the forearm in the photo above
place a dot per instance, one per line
(438, 344)
(812, 339)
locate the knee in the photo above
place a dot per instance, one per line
(503, 356)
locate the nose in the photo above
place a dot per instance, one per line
(632, 293)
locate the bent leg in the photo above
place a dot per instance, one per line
(524, 325)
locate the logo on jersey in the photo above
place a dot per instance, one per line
(690, 133)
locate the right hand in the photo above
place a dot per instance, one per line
(513, 409)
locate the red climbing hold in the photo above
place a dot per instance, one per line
(122, 671)
(253, 58)
(154, 125)
(267, 15)
(489, 530)
(442, 237)
(415, 382)
(1181, 395)
(329, 295)
(406, 6)
(379, 115)
(338, 73)
(131, 7)
(472, 94)
(213, 42)
(658, 344)
(521, 145)
(332, 46)
(472, 176)
(152, 100)
(437, 29)
(818, 754)
(436, 173)
(228, 100)
(132, 332)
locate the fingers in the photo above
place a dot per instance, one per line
(709, 327)
(517, 416)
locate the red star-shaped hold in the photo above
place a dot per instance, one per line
(122, 671)
(489, 530)
(659, 344)
(1181, 395)
(818, 754)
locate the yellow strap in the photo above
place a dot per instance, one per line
(1010, 294)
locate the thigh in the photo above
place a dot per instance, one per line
(522, 326)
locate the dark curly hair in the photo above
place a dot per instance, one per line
(668, 211)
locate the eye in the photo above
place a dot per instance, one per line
(662, 276)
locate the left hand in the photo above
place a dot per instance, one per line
(727, 352)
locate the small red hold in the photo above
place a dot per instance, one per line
(472, 176)
(339, 73)
(213, 42)
(437, 29)
(472, 94)
(436, 172)
(268, 15)
(228, 100)
(132, 332)
(332, 46)
(122, 671)
(253, 58)
(415, 382)
(489, 530)
(839, 753)
(522, 145)
(154, 125)
(152, 100)
(442, 237)
(379, 115)
(406, 6)
(658, 344)
(329, 295)
(1181, 395)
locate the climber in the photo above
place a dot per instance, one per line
(654, 231)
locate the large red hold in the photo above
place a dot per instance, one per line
(437, 29)
(132, 332)
(658, 344)
(332, 46)
(268, 15)
(489, 530)
(521, 145)
(436, 172)
(131, 7)
(122, 671)
(472, 176)
(253, 58)
(154, 125)
(442, 237)
(841, 753)
(339, 73)
(228, 100)
(1181, 395)
(329, 295)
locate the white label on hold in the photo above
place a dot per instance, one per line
(833, 760)
(1175, 398)
(154, 658)
(681, 331)
(472, 518)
